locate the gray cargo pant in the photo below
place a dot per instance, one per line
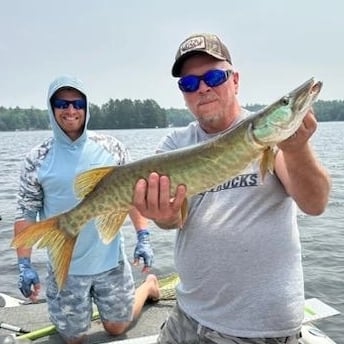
(181, 329)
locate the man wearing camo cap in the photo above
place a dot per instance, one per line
(238, 254)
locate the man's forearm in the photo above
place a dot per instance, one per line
(308, 182)
(139, 221)
(19, 226)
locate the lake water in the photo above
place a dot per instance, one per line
(322, 237)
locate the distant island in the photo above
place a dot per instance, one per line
(130, 114)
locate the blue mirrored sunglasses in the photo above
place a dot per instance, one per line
(64, 104)
(213, 78)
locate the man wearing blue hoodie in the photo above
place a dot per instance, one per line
(98, 272)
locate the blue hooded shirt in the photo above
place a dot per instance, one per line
(47, 183)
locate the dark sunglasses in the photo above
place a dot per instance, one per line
(64, 104)
(213, 78)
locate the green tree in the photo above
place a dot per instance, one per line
(97, 118)
(126, 113)
(179, 117)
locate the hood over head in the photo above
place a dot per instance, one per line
(66, 81)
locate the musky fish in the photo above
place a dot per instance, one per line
(106, 193)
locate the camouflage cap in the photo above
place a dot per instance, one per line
(202, 42)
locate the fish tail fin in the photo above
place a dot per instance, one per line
(34, 233)
(48, 234)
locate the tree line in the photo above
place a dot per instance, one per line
(129, 114)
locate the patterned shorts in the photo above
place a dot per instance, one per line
(71, 309)
(180, 328)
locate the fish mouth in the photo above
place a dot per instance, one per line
(281, 119)
(316, 88)
(305, 95)
(300, 101)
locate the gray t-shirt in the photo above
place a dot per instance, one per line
(239, 253)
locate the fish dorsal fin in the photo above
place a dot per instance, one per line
(109, 224)
(86, 181)
(267, 162)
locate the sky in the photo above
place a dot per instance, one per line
(125, 49)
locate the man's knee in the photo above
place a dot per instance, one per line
(80, 340)
(115, 329)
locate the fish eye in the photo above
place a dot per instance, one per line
(285, 100)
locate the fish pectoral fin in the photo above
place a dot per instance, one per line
(48, 234)
(267, 162)
(109, 225)
(86, 181)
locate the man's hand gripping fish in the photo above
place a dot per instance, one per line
(107, 192)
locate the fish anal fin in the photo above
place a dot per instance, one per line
(267, 162)
(61, 254)
(86, 181)
(109, 224)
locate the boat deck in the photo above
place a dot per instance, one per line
(32, 317)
